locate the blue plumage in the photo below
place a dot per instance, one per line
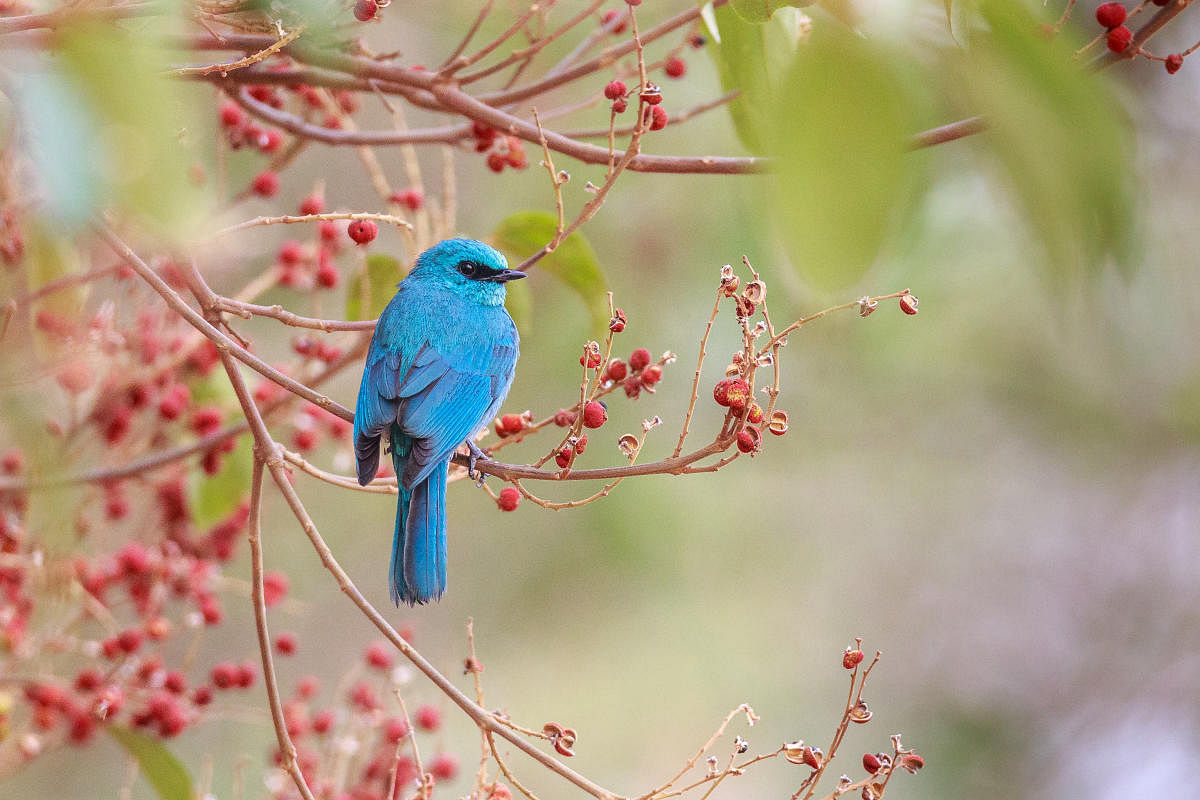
(440, 363)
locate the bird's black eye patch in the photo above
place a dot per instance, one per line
(469, 269)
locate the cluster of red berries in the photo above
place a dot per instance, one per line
(502, 151)
(734, 393)
(310, 423)
(240, 131)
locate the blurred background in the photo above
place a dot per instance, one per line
(1002, 494)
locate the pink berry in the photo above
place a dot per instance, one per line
(271, 141)
(614, 90)
(378, 655)
(428, 717)
(313, 204)
(639, 358)
(266, 184)
(510, 498)
(610, 17)
(328, 276)
(444, 766)
(1173, 62)
(362, 231)
(286, 644)
(675, 67)
(231, 114)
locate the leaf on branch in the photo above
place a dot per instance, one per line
(162, 769)
(759, 11)
(1062, 138)
(366, 296)
(215, 497)
(838, 124)
(574, 262)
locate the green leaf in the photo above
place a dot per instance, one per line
(839, 126)
(140, 126)
(742, 67)
(214, 498)
(1063, 140)
(759, 11)
(574, 262)
(366, 296)
(163, 770)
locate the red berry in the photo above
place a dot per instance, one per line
(651, 375)
(871, 763)
(675, 67)
(908, 303)
(270, 141)
(89, 680)
(378, 655)
(173, 403)
(328, 276)
(224, 675)
(581, 445)
(619, 106)
(727, 391)
(617, 323)
(444, 766)
(322, 721)
(285, 643)
(755, 414)
(365, 10)
(496, 162)
(395, 729)
(594, 414)
(563, 457)
(305, 440)
(590, 359)
(510, 498)
(1110, 15)
(516, 154)
(313, 204)
(275, 588)
(246, 673)
(613, 91)
(1173, 62)
(639, 358)
(616, 370)
(328, 230)
(1119, 39)
(658, 118)
(362, 231)
(633, 2)
(12, 462)
(610, 16)
(266, 184)
(205, 420)
(412, 199)
(748, 439)
(307, 687)
(564, 418)
(232, 114)
(852, 658)
(130, 640)
(428, 717)
(512, 423)
(202, 696)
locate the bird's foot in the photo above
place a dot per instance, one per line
(475, 455)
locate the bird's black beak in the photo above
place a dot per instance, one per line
(505, 275)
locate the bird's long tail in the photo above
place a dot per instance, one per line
(418, 568)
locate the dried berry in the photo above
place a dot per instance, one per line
(617, 323)
(748, 440)
(563, 457)
(651, 375)
(1173, 62)
(613, 91)
(779, 422)
(639, 359)
(852, 657)
(512, 423)
(870, 763)
(908, 304)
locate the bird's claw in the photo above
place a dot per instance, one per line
(474, 455)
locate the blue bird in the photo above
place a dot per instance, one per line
(440, 363)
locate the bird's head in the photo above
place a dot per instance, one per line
(468, 268)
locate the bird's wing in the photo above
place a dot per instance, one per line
(445, 397)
